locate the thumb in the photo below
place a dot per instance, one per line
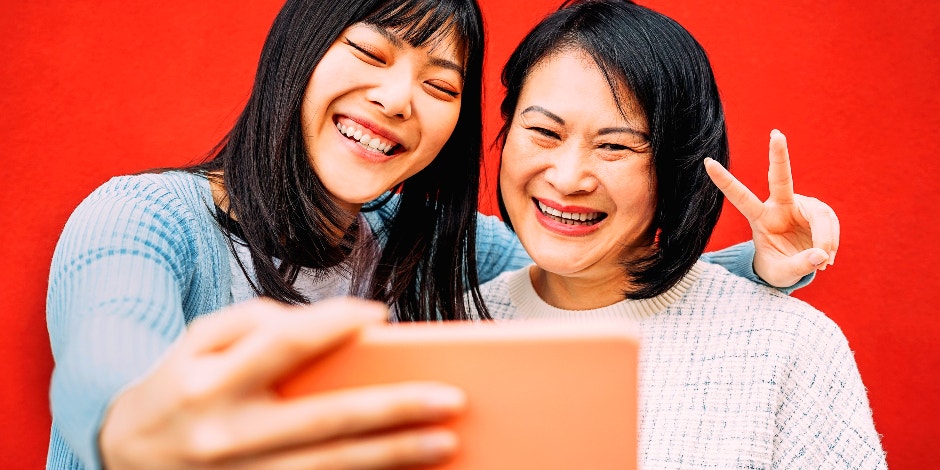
(808, 261)
(788, 271)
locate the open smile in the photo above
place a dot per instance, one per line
(570, 218)
(367, 138)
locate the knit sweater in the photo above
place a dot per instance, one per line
(732, 375)
(141, 258)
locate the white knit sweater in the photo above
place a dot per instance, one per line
(733, 375)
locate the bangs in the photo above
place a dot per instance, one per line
(431, 23)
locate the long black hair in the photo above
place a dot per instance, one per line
(279, 208)
(671, 78)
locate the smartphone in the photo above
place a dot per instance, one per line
(541, 394)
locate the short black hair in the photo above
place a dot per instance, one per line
(669, 74)
(283, 212)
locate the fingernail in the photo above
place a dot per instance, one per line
(374, 311)
(439, 443)
(817, 258)
(447, 398)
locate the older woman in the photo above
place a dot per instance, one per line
(609, 195)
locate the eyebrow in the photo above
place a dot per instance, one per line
(547, 113)
(618, 130)
(604, 131)
(397, 42)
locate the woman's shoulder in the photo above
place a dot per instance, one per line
(170, 209)
(169, 186)
(167, 198)
(761, 307)
(498, 288)
(498, 293)
(146, 224)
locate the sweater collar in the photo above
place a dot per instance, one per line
(530, 305)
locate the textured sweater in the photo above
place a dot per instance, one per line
(732, 375)
(141, 258)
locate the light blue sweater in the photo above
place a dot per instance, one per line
(140, 259)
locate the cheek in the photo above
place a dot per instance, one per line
(515, 172)
(438, 119)
(643, 202)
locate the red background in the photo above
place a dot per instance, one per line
(94, 89)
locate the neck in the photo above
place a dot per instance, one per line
(580, 292)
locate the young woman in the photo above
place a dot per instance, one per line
(610, 197)
(163, 358)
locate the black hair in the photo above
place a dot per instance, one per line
(280, 209)
(669, 74)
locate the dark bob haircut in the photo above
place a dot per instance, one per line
(282, 212)
(668, 72)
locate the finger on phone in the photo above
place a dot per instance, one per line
(291, 336)
(323, 417)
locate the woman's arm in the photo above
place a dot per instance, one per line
(114, 303)
(793, 235)
(135, 387)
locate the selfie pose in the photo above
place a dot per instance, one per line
(609, 195)
(352, 171)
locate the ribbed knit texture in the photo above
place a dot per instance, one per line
(733, 375)
(140, 259)
(137, 260)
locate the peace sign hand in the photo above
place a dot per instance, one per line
(794, 235)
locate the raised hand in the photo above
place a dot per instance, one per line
(210, 403)
(794, 235)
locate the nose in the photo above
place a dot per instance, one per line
(392, 93)
(569, 171)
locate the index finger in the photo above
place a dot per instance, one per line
(329, 415)
(736, 192)
(779, 175)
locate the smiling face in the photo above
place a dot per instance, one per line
(377, 111)
(577, 182)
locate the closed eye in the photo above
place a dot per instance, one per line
(545, 132)
(614, 147)
(642, 148)
(364, 51)
(447, 91)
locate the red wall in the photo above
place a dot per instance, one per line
(92, 89)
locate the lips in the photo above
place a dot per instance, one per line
(366, 137)
(571, 217)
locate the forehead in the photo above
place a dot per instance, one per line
(447, 43)
(571, 82)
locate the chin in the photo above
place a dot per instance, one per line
(560, 265)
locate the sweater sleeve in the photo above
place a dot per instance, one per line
(116, 287)
(739, 260)
(824, 419)
(498, 249)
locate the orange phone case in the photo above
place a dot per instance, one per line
(541, 394)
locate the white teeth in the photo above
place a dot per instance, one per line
(374, 143)
(569, 217)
